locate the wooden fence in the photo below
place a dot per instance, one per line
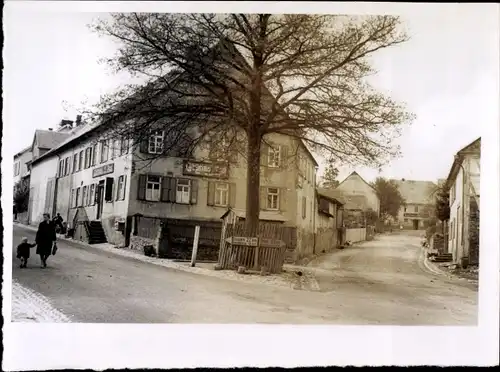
(355, 235)
(267, 250)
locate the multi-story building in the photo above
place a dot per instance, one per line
(108, 182)
(21, 165)
(419, 206)
(463, 183)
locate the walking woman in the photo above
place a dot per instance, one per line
(45, 239)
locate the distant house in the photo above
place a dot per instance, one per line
(419, 207)
(359, 197)
(329, 220)
(463, 184)
(21, 165)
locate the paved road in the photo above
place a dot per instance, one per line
(90, 285)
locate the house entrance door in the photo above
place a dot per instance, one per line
(415, 224)
(100, 199)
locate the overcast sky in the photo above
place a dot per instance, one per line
(447, 74)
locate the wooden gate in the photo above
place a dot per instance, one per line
(267, 250)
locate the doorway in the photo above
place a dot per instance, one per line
(100, 199)
(415, 224)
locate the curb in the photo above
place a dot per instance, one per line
(170, 264)
(433, 268)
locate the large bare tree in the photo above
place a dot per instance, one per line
(246, 76)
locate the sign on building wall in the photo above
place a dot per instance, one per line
(105, 169)
(205, 169)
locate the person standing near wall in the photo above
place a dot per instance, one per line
(45, 239)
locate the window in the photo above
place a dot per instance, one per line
(416, 209)
(155, 144)
(77, 198)
(153, 187)
(84, 196)
(183, 191)
(66, 166)
(80, 161)
(88, 154)
(304, 207)
(61, 168)
(16, 169)
(94, 154)
(123, 146)
(405, 209)
(273, 159)
(73, 201)
(272, 198)
(221, 194)
(75, 163)
(92, 195)
(116, 148)
(104, 151)
(120, 192)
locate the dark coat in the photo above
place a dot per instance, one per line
(23, 250)
(45, 237)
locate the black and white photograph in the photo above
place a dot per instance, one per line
(264, 184)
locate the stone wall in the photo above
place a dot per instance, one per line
(137, 243)
(474, 233)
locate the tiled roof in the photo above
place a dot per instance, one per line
(331, 194)
(417, 192)
(47, 139)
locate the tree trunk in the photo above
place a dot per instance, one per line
(254, 137)
(253, 183)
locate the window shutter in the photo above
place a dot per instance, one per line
(166, 144)
(172, 190)
(211, 194)
(117, 189)
(264, 154)
(144, 145)
(165, 188)
(282, 199)
(124, 187)
(141, 190)
(263, 198)
(284, 156)
(194, 191)
(232, 195)
(108, 194)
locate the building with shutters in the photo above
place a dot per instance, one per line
(103, 183)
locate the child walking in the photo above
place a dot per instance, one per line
(23, 251)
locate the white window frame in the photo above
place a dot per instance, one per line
(274, 156)
(221, 198)
(183, 191)
(73, 203)
(104, 151)
(61, 168)
(273, 197)
(120, 194)
(153, 188)
(78, 197)
(156, 142)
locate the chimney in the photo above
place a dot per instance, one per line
(65, 123)
(78, 120)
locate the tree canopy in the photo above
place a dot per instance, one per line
(390, 198)
(244, 77)
(329, 179)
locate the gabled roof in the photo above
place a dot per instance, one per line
(417, 192)
(473, 147)
(23, 151)
(355, 174)
(332, 195)
(47, 139)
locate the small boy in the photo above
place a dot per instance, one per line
(23, 251)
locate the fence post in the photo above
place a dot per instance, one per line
(195, 245)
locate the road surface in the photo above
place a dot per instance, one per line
(375, 284)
